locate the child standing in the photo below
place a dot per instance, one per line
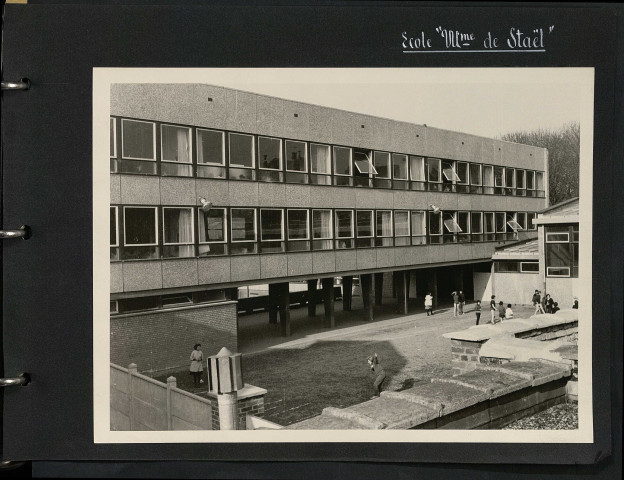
(478, 311)
(493, 309)
(501, 311)
(429, 304)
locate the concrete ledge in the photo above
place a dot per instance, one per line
(395, 413)
(537, 372)
(363, 420)
(247, 391)
(493, 383)
(520, 349)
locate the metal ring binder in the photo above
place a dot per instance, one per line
(23, 84)
(23, 232)
(21, 380)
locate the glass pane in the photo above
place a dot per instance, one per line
(399, 166)
(558, 255)
(113, 150)
(475, 174)
(418, 223)
(529, 267)
(138, 139)
(520, 178)
(381, 160)
(175, 144)
(364, 166)
(212, 226)
(476, 222)
(113, 226)
(176, 170)
(342, 161)
(530, 180)
(344, 223)
(210, 147)
(320, 158)
(321, 224)
(450, 224)
(488, 176)
(401, 224)
(297, 224)
(271, 224)
(499, 176)
(178, 226)
(449, 172)
(295, 156)
(489, 222)
(463, 221)
(243, 223)
(462, 172)
(435, 223)
(384, 223)
(510, 177)
(269, 153)
(522, 220)
(241, 150)
(433, 170)
(539, 181)
(500, 222)
(140, 226)
(417, 168)
(138, 166)
(364, 220)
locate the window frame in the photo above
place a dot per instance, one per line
(264, 209)
(192, 242)
(114, 134)
(253, 151)
(334, 158)
(331, 223)
(337, 230)
(225, 227)
(197, 141)
(255, 226)
(329, 149)
(190, 140)
(528, 263)
(307, 224)
(281, 155)
(409, 223)
(116, 208)
(388, 164)
(305, 156)
(406, 159)
(145, 207)
(154, 132)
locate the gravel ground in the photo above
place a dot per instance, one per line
(559, 417)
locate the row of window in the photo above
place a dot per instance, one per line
(146, 232)
(562, 250)
(160, 149)
(138, 304)
(506, 266)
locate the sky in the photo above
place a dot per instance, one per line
(486, 102)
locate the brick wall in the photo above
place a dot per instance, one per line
(465, 355)
(162, 340)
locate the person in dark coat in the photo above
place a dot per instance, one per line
(462, 302)
(501, 311)
(378, 371)
(455, 296)
(478, 311)
(493, 309)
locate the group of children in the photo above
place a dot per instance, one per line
(499, 312)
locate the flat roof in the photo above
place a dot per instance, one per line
(525, 250)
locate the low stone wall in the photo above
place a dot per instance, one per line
(250, 402)
(485, 398)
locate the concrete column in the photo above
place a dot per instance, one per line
(284, 309)
(366, 282)
(378, 288)
(403, 291)
(432, 286)
(171, 383)
(132, 371)
(328, 302)
(273, 302)
(228, 411)
(347, 293)
(312, 298)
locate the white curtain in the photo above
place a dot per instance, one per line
(320, 159)
(323, 228)
(385, 218)
(183, 146)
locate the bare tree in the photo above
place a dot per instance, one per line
(563, 157)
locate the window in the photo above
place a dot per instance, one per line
(243, 230)
(384, 228)
(434, 174)
(210, 154)
(139, 304)
(270, 159)
(419, 229)
(449, 176)
(296, 162)
(557, 233)
(510, 181)
(530, 183)
(175, 151)
(178, 232)
(463, 221)
(242, 159)
(364, 168)
(176, 300)
(399, 171)
(417, 172)
(212, 232)
(476, 226)
(140, 233)
(506, 267)
(322, 229)
(529, 267)
(342, 166)
(475, 178)
(344, 228)
(558, 259)
(114, 234)
(114, 306)
(521, 183)
(512, 223)
(113, 145)
(488, 221)
(320, 164)
(364, 228)
(521, 218)
(539, 184)
(138, 147)
(381, 162)
(451, 227)
(435, 227)
(531, 216)
(462, 175)
(499, 180)
(271, 230)
(401, 228)
(500, 219)
(488, 179)
(298, 230)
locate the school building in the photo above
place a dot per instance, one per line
(214, 188)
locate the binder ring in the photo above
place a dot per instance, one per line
(19, 381)
(23, 84)
(23, 232)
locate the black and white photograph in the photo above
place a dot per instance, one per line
(389, 254)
